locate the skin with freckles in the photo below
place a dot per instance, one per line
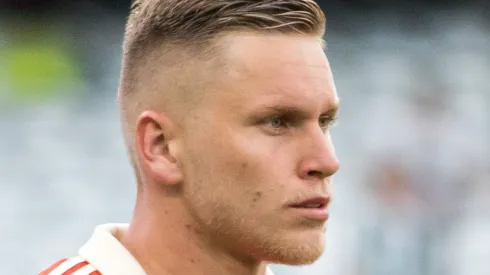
(217, 181)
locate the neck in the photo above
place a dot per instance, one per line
(166, 241)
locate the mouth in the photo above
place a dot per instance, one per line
(314, 203)
(315, 208)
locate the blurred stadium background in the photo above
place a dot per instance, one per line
(413, 193)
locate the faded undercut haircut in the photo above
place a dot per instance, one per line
(164, 26)
(191, 24)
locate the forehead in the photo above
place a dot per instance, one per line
(279, 68)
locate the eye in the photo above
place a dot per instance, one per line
(277, 125)
(277, 122)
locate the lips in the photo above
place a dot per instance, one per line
(312, 209)
(314, 203)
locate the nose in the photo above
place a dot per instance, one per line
(319, 159)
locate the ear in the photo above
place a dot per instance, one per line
(154, 144)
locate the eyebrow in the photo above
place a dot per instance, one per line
(298, 112)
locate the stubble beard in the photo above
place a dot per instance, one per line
(248, 239)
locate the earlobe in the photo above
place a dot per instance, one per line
(154, 139)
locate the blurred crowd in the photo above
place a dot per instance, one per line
(413, 192)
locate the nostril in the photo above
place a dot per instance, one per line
(313, 173)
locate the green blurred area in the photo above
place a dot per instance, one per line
(37, 66)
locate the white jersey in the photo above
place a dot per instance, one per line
(103, 254)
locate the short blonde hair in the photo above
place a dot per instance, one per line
(155, 22)
(191, 23)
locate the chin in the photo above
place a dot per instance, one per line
(300, 255)
(302, 249)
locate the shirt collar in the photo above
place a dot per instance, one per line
(104, 252)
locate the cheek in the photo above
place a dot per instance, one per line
(263, 164)
(240, 164)
(244, 177)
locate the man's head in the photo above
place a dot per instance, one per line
(226, 107)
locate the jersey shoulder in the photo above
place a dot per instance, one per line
(71, 266)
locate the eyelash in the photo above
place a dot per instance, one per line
(329, 122)
(325, 122)
(284, 120)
